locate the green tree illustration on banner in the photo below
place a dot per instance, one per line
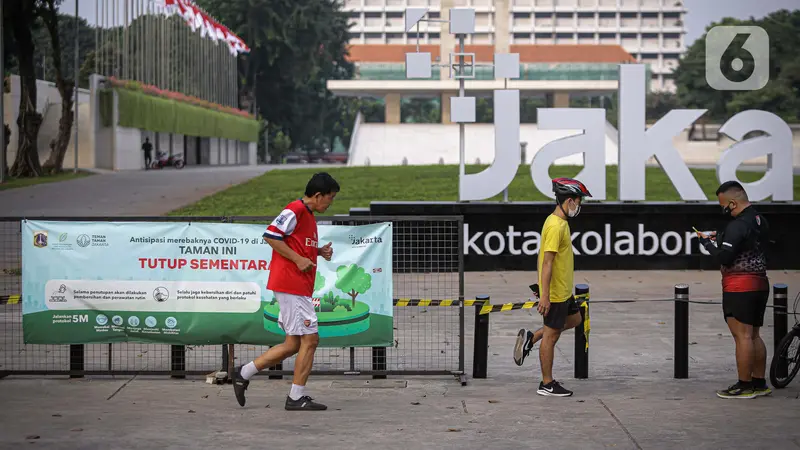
(319, 282)
(353, 280)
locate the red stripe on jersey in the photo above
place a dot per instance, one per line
(276, 230)
(745, 282)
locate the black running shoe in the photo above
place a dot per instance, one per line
(523, 346)
(554, 389)
(239, 385)
(737, 390)
(304, 403)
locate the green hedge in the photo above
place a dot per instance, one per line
(146, 112)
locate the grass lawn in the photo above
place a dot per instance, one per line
(268, 194)
(23, 182)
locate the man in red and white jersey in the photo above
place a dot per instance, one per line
(293, 238)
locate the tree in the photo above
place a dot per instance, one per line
(65, 87)
(295, 47)
(353, 280)
(22, 17)
(779, 96)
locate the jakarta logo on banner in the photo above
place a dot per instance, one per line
(194, 283)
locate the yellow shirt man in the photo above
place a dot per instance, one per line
(557, 238)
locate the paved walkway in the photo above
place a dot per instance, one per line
(152, 192)
(630, 400)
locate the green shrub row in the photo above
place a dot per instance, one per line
(147, 112)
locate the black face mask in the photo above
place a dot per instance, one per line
(726, 210)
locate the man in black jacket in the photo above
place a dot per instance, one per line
(741, 251)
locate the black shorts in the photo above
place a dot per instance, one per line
(746, 307)
(556, 318)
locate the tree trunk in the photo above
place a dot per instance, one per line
(353, 294)
(7, 132)
(26, 163)
(55, 162)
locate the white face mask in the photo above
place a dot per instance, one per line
(574, 212)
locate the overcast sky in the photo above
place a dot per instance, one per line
(700, 12)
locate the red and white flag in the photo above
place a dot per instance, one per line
(209, 27)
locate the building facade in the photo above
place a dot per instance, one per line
(652, 31)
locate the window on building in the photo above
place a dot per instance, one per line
(629, 40)
(650, 20)
(522, 20)
(395, 38)
(543, 21)
(373, 38)
(586, 20)
(522, 38)
(608, 38)
(607, 20)
(565, 38)
(586, 38)
(628, 20)
(482, 20)
(373, 19)
(650, 40)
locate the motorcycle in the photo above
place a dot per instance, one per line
(162, 160)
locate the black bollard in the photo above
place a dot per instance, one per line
(780, 310)
(225, 359)
(581, 351)
(681, 331)
(480, 355)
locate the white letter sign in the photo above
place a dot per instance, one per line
(637, 145)
(777, 181)
(591, 144)
(492, 180)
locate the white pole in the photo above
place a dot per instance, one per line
(77, 72)
(461, 151)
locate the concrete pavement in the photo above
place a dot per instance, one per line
(151, 192)
(630, 400)
(148, 413)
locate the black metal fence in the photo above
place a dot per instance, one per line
(427, 264)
